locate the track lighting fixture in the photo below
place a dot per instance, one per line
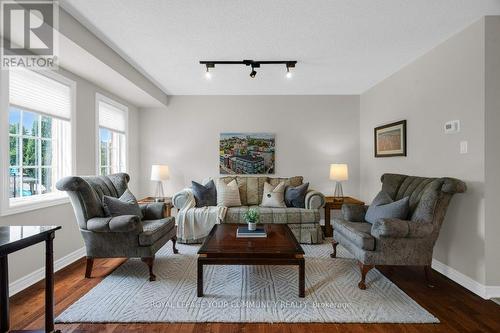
(252, 63)
(288, 71)
(208, 75)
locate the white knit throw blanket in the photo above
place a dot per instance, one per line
(196, 223)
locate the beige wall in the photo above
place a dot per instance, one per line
(492, 150)
(311, 132)
(68, 239)
(447, 83)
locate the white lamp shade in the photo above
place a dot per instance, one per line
(159, 172)
(339, 172)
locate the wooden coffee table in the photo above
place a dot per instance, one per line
(221, 247)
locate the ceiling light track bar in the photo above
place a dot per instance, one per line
(291, 63)
(210, 64)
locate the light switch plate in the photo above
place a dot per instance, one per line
(464, 147)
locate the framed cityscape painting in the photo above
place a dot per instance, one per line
(246, 153)
(390, 140)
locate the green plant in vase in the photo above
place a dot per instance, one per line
(251, 217)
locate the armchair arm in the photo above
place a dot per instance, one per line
(183, 199)
(419, 229)
(396, 228)
(153, 210)
(314, 200)
(123, 223)
(354, 213)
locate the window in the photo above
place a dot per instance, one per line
(39, 125)
(112, 145)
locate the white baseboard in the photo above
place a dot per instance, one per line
(492, 292)
(477, 288)
(39, 274)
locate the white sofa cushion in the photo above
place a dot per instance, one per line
(273, 196)
(228, 195)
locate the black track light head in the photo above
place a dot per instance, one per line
(253, 73)
(208, 75)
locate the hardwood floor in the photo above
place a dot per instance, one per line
(458, 309)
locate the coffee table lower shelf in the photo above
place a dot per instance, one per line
(297, 261)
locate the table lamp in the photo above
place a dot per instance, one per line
(339, 173)
(159, 174)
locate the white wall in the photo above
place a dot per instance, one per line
(68, 239)
(492, 150)
(445, 84)
(311, 132)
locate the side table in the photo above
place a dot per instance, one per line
(335, 203)
(168, 204)
(15, 238)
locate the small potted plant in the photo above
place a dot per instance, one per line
(251, 217)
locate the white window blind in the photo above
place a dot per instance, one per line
(112, 117)
(37, 92)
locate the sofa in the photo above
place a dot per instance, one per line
(393, 241)
(123, 236)
(304, 222)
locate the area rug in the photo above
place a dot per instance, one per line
(245, 293)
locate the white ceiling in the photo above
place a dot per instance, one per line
(342, 46)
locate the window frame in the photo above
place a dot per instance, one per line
(25, 204)
(39, 139)
(102, 98)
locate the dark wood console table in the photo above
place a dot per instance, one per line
(15, 238)
(334, 203)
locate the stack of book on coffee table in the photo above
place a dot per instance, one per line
(244, 232)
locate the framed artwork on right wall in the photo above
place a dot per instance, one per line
(390, 139)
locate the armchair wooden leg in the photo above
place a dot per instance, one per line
(428, 276)
(88, 268)
(334, 254)
(364, 269)
(149, 261)
(174, 240)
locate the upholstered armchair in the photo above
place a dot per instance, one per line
(393, 241)
(125, 236)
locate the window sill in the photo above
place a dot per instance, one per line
(23, 206)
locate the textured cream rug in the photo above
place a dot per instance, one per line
(245, 293)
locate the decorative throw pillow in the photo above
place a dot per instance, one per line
(296, 196)
(384, 207)
(124, 205)
(228, 195)
(273, 196)
(204, 195)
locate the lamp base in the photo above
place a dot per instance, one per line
(159, 195)
(338, 194)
